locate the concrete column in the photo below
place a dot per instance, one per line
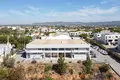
(44, 53)
(57, 53)
(64, 53)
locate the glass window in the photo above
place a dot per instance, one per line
(68, 48)
(76, 49)
(46, 49)
(75, 53)
(61, 49)
(54, 49)
(39, 49)
(82, 53)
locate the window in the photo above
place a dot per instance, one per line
(68, 48)
(116, 36)
(61, 49)
(32, 49)
(54, 49)
(47, 49)
(76, 53)
(82, 53)
(75, 48)
(39, 49)
(110, 40)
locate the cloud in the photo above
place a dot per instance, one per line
(98, 11)
(85, 12)
(33, 8)
(17, 12)
(107, 1)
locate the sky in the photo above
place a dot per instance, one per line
(32, 11)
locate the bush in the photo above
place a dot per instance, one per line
(3, 73)
(34, 61)
(71, 71)
(104, 68)
(79, 61)
(47, 68)
(18, 62)
(109, 75)
(114, 55)
(9, 63)
(48, 78)
(16, 73)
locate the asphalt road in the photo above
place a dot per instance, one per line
(107, 59)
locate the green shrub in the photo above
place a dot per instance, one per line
(9, 62)
(18, 62)
(3, 73)
(33, 61)
(48, 78)
(104, 68)
(47, 68)
(71, 71)
(79, 61)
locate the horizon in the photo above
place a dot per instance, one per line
(34, 11)
(56, 22)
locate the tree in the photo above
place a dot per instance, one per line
(88, 64)
(61, 65)
(83, 36)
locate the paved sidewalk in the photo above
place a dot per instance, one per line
(107, 59)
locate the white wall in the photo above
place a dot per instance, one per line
(80, 56)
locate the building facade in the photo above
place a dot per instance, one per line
(53, 48)
(118, 46)
(110, 38)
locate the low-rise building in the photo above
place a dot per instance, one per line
(118, 46)
(110, 38)
(97, 36)
(53, 47)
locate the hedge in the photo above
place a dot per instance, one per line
(113, 54)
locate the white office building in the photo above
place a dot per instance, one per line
(118, 46)
(74, 34)
(97, 36)
(110, 38)
(53, 47)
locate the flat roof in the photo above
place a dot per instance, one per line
(58, 41)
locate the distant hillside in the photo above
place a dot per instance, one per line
(110, 23)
